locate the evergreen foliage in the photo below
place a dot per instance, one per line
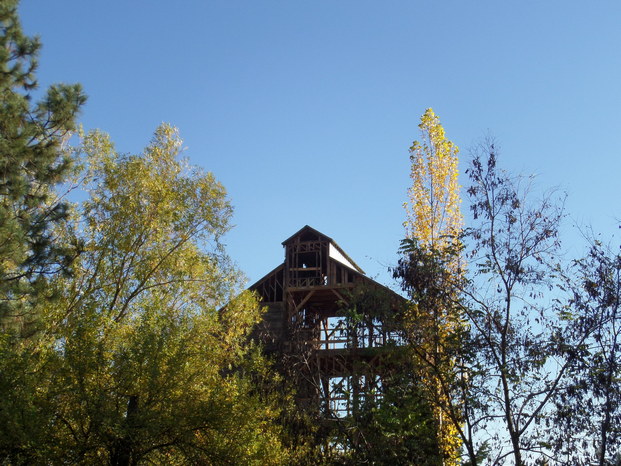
(32, 163)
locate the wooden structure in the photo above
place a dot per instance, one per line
(335, 363)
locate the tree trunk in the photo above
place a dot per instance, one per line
(122, 453)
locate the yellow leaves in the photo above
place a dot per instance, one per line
(433, 211)
(434, 219)
(140, 318)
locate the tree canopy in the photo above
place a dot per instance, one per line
(143, 353)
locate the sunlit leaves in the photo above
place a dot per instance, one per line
(432, 265)
(150, 335)
(433, 209)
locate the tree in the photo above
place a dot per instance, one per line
(396, 429)
(146, 351)
(515, 310)
(510, 351)
(440, 344)
(31, 165)
(388, 419)
(433, 212)
(434, 225)
(536, 355)
(588, 408)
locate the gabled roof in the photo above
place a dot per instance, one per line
(308, 229)
(305, 229)
(266, 276)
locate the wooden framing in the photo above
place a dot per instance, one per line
(305, 329)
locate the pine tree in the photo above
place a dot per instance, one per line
(31, 165)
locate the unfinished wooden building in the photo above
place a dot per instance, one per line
(337, 361)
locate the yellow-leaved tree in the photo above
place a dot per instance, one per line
(145, 356)
(433, 209)
(429, 271)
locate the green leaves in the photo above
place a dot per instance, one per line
(590, 406)
(142, 327)
(142, 360)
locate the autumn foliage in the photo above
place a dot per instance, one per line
(433, 227)
(434, 216)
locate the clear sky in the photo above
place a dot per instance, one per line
(305, 110)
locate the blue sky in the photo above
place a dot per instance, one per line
(305, 110)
